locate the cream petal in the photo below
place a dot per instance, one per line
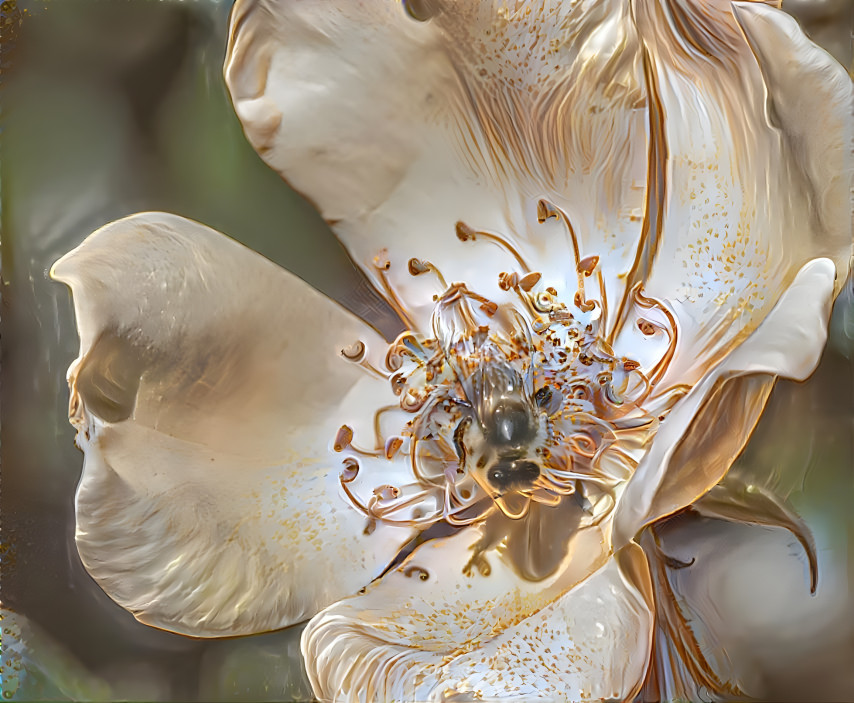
(428, 631)
(758, 166)
(398, 129)
(207, 394)
(817, 124)
(700, 438)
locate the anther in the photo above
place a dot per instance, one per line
(464, 232)
(588, 264)
(343, 438)
(412, 403)
(354, 352)
(468, 234)
(545, 211)
(387, 492)
(392, 447)
(382, 264)
(381, 260)
(583, 305)
(398, 383)
(351, 470)
(507, 281)
(527, 282)
(417, 267)
(646, 327)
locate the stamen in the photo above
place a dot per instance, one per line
(603, 298)
(587, 397)
(378, 435)
(375, 514)
(657, 372)
(468, 234)
(418, 267)
(382, 264)
(386, 492)
(546, 211)
(543, 301)
(581, 303)
(489, 307)
(381, 506)
(344, 440)
(392, 447)
(398, 383)
(412, 403)
(407, 344)
(351, 469)
(356, 353)
(414, 461)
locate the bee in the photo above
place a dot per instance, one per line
(504, 427)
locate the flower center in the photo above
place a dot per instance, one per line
(511, 404)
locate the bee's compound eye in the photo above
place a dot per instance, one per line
(526, 471)
(506, 475)
(499, 475)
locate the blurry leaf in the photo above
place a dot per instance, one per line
(258, 668)
(36, 668)
(736, 501)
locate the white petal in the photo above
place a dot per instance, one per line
(706, 430)
(427, 630)
(810, 99)
(758, 166)
(398, 129)
(207, 393)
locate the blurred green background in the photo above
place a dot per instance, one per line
(115, 106)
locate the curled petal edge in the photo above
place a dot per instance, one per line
(208, 390)
(708, 428)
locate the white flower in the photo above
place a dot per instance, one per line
(608, 227)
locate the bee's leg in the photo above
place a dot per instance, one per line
(459, 447)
